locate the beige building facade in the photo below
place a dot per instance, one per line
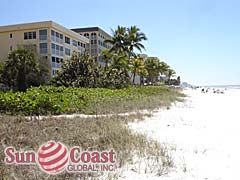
(49, 39)
(96, 37)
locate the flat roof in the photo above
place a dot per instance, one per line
(86, 29)
(90, 29)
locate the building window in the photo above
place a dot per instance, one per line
(61, 50)
(54, 72)
(43, 48)
(30, 35)
(43, 34)
(56, 37)
(11, 35)
(56, 62)
(67, 51)
(59, 62)
(53, 48)
(67, 40)
(34, 35)
(86, 35)
(53, 35)
(25, 35)
(93, 35)
(11, 48)
(61, 39)
(57, 50)
(53, 61)
(75, 43)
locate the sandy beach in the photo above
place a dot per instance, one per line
(204, 133)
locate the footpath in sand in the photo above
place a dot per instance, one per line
(205, 131)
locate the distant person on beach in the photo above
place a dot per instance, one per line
(218, 91)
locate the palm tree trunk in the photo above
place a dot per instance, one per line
(134, 74)
(169, 77)
(21, 79)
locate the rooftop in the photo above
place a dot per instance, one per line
(90, 29)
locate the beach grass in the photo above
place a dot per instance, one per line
(90, 133)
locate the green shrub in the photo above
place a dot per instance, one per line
(46, 100)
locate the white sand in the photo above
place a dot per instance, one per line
(206, 133)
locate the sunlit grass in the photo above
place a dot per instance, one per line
(91, 133)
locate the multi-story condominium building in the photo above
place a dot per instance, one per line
(49, 39)
(97, 37)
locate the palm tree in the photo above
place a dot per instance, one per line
(126, 40)
(107, 56)
(21, 62)
(178, 80)
(118, 40)
(137, 68)
(163, 67)
(152, 65)
(118, 71)
(170, 73)
(134, 39)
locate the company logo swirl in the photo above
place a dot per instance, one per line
(53, 157)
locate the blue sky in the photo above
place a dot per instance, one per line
(200, 39)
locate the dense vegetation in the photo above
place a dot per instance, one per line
(58, 100)
(23, 69)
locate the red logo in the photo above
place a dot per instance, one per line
(53, 157)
